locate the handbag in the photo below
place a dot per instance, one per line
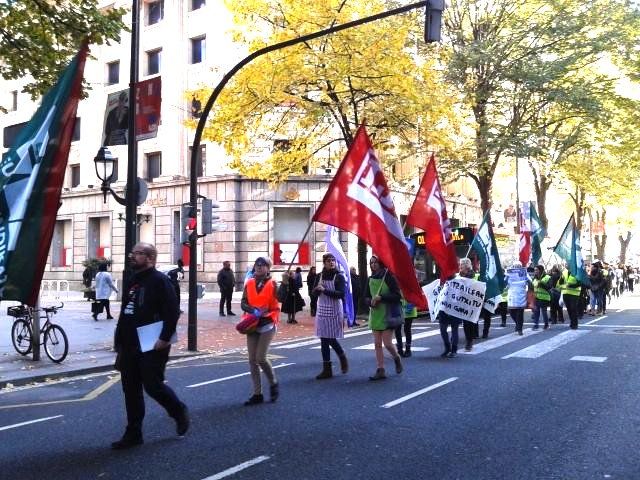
(394, 317)
(248, 324)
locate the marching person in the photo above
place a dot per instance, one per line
(311, 283)
(227, 283)
(445, 320)
(261, 298)
(517, 298)
(175, 275)
(383, 297)
(470, 328)
(541, 288)
(104, 287)
(571, 291)
(556, 309)
(330, 291)
(149, 297)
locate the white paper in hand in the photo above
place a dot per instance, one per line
(148, 335)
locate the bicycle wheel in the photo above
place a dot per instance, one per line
(21, 336)
(56, 345)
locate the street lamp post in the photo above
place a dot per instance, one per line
(104, 161)
(433, 10)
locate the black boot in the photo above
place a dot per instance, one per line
(274, 392)
(407, 350)
(344, 364)
(132, 437)
(326, 371)
(400, 349)
(254, 399)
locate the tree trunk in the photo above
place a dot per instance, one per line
(624, 243)
(542, 184)
(601, 239)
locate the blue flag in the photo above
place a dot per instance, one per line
(334, 247)
(568, 248)
(484, 244)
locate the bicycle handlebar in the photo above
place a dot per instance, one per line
(53, 309)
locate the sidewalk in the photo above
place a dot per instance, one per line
(90, 342)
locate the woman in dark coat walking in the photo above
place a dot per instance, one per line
(311, 283)
(294, 301)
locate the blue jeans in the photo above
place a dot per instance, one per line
(450, 345)
(540, 306)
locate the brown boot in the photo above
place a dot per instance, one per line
(344, 364)
(326, 371)
(379, 375)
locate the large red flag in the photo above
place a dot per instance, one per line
(429, 213)
(358, 201)
(525, 248)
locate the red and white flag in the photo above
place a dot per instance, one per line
(429, 213)
(525, 248)
(358, 200)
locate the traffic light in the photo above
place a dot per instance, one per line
(433, 20)
(209, 219)
(187, 222)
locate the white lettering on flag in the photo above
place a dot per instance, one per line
(368, 188)
(436, 202)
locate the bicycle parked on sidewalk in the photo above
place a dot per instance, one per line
(54, 339)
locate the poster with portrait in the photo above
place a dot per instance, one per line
(116, 119)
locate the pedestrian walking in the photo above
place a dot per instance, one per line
(330, 291)
(571, 292)
(517, 297)
(261, 298)
(555, 310)
(410, 313)
(356, 291)
(470, 328)
(596, 289)
(104, 287)
(311, 283)
(175, 275)
(147, 297)
(227, 284)
(383, 297)
(448, 321)
(294, 301)
(542, 291)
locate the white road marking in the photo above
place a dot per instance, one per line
(218, 380)
(586, 358)
(546, 346)
(22, 424)
(620, 310)
(499, 342)
(417, 336)
(596, 320)
(233, 470)
(418, 393)
(317, 340)
(371, 346)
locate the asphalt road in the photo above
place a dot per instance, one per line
(554, 404)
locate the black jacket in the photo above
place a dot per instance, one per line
(149, 298)
(226, 279)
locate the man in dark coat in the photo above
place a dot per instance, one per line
(226, 283)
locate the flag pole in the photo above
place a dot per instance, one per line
(306, 232)
(404, 224)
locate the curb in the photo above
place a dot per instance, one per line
(53, 376)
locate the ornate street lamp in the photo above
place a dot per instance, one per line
(105, 162)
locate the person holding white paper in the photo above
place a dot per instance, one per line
(148, 300)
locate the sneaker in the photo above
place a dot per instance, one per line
(183, 421)
(254, 400)
(274, 392)
(452, 355)
(129, 439)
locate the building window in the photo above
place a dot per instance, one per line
(10, 134)
(155, 12)
(153, 61)
(75, 175)
(61, 244)
(196, 4)
(14, 100)
(288, 225)
(202, 160)
(281, 145)
(113, 73)
(154, 165)
(76, 131)
(197, 49)
(196, 108)
(99, 237)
